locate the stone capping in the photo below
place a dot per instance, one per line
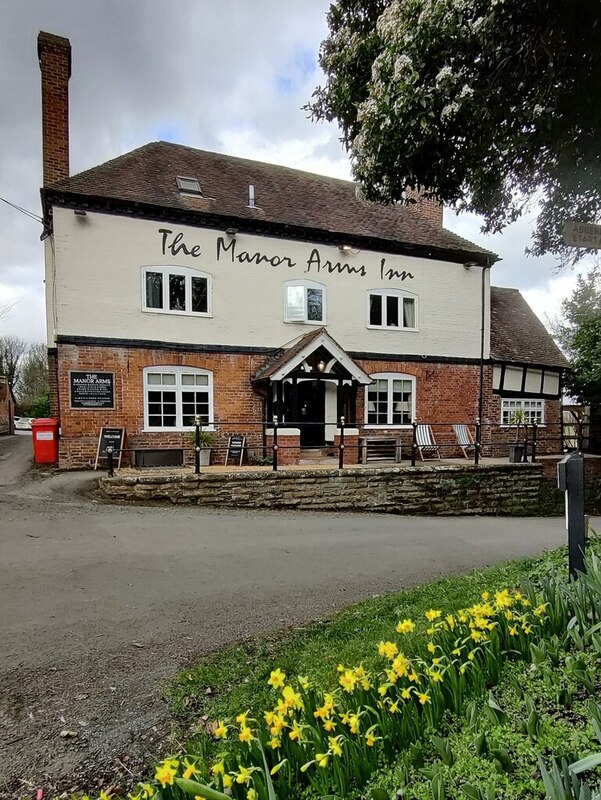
(506, 489)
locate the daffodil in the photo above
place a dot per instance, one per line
(277, 678)
(388, 649)
(424, 698)
(322, 759)
(241, 719)
(432, 614)
(348, 681)
(278, 767)
(329, 725)
(354, 723)
(406, 626)
(450, 620)
(245, 734)
(190, 770)
(218, 768)
(401, 665)
(303, 682)
(228, 781)
(292, 698)
(431, 647)
(335, 746)
(541, 610)
(513, 631)
(251, 794)
(503, 599)
(394, 707)
(243, 776)
(274, 743)
(166, 772)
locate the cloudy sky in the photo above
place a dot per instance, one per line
(229, 76)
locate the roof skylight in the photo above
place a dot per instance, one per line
(189, 185)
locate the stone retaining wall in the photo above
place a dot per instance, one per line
(507, 489)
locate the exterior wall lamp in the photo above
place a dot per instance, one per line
(321, 365)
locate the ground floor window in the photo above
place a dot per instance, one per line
(390, 399)
(174, 396)
(534, 411)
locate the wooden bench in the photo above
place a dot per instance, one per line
(380, 448)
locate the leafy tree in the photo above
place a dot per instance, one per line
(41, 406)
(579, 333)
(485, 102)
(12, 352)
(33, 383)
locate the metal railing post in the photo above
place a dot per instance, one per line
(109, 456)
(197, 445)
(534, 435)
(525, 458)
(341, 445)
(478, 442)
(275, 444)
(414, 444)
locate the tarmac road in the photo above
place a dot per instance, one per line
(100, 604)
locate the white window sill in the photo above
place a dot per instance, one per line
(396, 328)
(305, 322)
(522, 425)
(388, 427)
(177, 313)
(210, 428)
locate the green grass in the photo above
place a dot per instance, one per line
(235, 679)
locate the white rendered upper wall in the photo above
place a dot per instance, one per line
(96, 289)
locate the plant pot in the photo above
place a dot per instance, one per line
(516, 453)
(205, 456)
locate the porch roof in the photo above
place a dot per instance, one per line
(294, 353)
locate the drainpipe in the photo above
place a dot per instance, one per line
(482, 339)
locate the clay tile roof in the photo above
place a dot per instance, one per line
(282, 356)
(516, 333)
(283, 195)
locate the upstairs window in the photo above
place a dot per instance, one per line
(390, 400)
(534, 411)
(176, 290)
(392, 309)
(304, 301)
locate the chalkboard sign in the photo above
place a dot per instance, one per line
(235, 449)
(110, 437)
(92, 390)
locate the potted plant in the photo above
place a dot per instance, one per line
(206, 439)
(517, 449)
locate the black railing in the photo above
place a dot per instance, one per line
(433, 440)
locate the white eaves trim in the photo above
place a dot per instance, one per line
(325, 340)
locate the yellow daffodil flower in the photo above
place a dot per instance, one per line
(243, 776)
(303, 682)
(348, 681)
(431, 647)
(406, 626)
(450, 620)
(218, 768)
(277, 678)
(513, 631)
(424, 698)
(394, 707)
(274, 743)
(329, 725)
(245, 735)
(335, 746)
(292, 698)
(322, 759)
(432, 614)
(190, 770)
(165, 773)
(278, 767)
(354, 723)
(406, 693)
(228, 781)
(241, 719)
(541, 610)
(370, 739)
(251, 794)
(388, 649)
(401, 665)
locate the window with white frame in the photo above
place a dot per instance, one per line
(534, 411)
(176, 290)
(304, 301)
(174, 396)
(390, 399)
(392, 309)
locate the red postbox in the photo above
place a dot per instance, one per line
(45, 440)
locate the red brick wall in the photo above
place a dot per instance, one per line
(426, 207)
(234, 400)
(54, 54)
(446, 394)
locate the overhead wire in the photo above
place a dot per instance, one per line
(27, 213)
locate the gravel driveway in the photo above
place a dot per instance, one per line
(101, 604)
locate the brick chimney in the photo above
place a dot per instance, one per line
(427, 207)
(54, 54)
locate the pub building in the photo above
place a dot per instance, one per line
(182, 283)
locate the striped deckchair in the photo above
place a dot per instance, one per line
(426, 443)
(464, 439)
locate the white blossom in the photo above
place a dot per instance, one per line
(445, 74)
(402, 67)
(449, 111)
(367, 109)
(466, 91)
(389, 21)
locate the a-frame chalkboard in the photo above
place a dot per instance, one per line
(110, 437)
(235, 449)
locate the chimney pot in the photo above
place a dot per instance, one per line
(54, 54)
